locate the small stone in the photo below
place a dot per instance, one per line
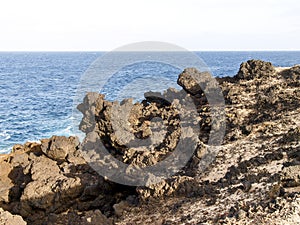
(120, 208)
(241, 214)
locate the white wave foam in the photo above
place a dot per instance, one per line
(5, 135)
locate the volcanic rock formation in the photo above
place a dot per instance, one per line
(253, 179)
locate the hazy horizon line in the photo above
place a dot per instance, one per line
(194, 50)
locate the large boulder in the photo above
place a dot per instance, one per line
(50, 190)
(193, 81)
(255, 69)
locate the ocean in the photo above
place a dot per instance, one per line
(37, 88)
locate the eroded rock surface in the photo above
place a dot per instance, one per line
(254, 178)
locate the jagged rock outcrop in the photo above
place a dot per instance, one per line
(254, 178)
(41, 186)
(255, 69)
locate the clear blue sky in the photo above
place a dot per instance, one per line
(101, 25)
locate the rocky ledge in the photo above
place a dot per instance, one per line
(254, 178)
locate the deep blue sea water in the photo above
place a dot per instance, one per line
(37, 88)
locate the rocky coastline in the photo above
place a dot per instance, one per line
(254, 178)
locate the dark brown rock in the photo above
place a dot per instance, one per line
(255, 69)
(193, 81)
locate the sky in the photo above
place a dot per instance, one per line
(103, 25)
